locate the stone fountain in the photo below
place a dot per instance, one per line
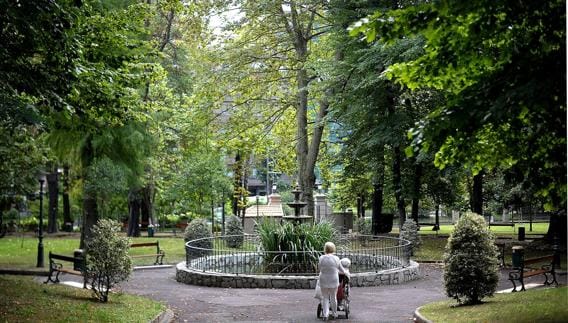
(297, 205)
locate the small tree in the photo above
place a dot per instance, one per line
(471, 264)
(198, 229)
(107, 258)
(409, 232)
(235, 232)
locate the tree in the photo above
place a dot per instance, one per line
(501, 67)
(271, 50)
(105, 106)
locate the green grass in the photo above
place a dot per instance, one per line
(25, 300)
(446, 229)
(537, 305)
(18, 252)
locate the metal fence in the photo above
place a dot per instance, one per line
(243, 254)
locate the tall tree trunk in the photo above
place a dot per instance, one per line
(301, 34)
(476, 200)
(53, 191)
(146, 205)
(134, 206)
(90, 218)
(416, 191)
(237, 184)
(67, 220)
(397, 183)
(378, 186)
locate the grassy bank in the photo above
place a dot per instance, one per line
(24, 300)
(537, 305)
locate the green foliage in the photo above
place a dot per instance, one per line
(300, 245)
(198, 229)
(471, 266)
(108, 262)
(234, 228)
(501, 69)
(410, 232)
(364, 226)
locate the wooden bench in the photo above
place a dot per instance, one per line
(55, 266)
(159, 254)
(525, 271)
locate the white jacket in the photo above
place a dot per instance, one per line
(329, 267)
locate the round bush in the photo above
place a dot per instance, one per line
(471, 264)
(198, 229)
(409, 232)
(234, 231)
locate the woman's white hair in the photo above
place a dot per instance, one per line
(329, 247)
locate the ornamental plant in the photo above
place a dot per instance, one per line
(198, 229)
(409, 231)
(471, 263)
(294, 248)
(234, 232)
(108, 262)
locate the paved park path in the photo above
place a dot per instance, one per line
(395, 303)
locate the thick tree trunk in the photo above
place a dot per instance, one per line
(477, 194)
(557, 228)
(416, 191)
(90, 218)
(134, 206)
(146, 205)
(67, 220)
(53, 191)
(377, 207)
(397, 183)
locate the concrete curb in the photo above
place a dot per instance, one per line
(418, 317)
(166, 316)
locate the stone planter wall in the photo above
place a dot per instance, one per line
(213, 279)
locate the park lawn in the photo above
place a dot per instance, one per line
(534, 305)
(26, 300)
(21, 252)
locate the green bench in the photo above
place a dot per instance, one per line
(532, 267)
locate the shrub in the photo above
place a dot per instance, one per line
(108, 262)
(471, 265)
(364, 226)
(301, 245)
(235, 232)
(198, 229)
(409, 232)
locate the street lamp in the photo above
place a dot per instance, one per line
(41, 180)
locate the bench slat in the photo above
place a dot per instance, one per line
(537, 260)
(144, 244)
(61, 257)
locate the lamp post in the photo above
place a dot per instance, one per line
(40, 231)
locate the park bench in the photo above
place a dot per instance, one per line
(525, 270)
(159, 254)
(56, 267)
(501, 224)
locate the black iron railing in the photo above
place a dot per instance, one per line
(243, 254)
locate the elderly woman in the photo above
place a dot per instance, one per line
(329, 267)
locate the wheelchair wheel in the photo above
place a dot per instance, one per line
(319, 311)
